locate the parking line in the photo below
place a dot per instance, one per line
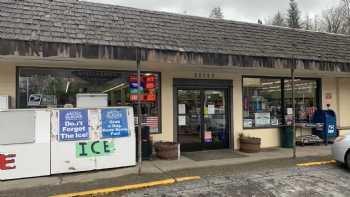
(319, 163)
(129, 187)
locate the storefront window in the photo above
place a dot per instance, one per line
(267, 102)
(43, 87)
(305, 98)
(262, 103)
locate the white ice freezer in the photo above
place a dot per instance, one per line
(92, 139)
(24, 144)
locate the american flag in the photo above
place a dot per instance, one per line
(152, 122)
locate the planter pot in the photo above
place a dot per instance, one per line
(250, 145)
(166, 150)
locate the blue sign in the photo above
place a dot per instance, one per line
(114, 123)
(73, 125)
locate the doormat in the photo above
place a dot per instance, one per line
(212, 155)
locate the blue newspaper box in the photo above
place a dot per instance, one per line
(329, 121)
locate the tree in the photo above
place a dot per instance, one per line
(307, 24)
(346, 7)
(293, 15)
(317, 24)
(278, 20)
(335, 19)
(217, 13)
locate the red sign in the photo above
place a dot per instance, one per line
(6, 161)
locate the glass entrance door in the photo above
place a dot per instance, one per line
(202, 119)
(215, 120)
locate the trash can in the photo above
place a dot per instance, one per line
(147, 147)
(328, 119)
(287, 137)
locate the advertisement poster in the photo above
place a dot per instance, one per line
(182, 108)
(73, 125)
(211, 109)
(182, 120)
(262, 119)
(114, 123)
(247, 123)
(208, 136)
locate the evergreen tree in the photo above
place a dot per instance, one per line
(278, 20)
(217, 13)
(293, 15)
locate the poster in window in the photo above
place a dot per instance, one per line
(35, 100)
(208, 136)
(262, 119)
(247, 123)
(211, 109)
(114, 123)
(274, 121)
(182, 120)
(182, 108)
(73, 125)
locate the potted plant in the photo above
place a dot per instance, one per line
(249, 144)
(167, 150)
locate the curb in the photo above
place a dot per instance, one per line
(129, 187)
(316, 163)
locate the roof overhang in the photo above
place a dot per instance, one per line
(104, 52)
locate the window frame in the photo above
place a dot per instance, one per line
(101, 70)
(318, 95)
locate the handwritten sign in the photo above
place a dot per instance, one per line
(73, 125)
(94, 149)
(114, 123)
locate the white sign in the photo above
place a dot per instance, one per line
(290, 111)
(182, 120)
(262, 119)
(211, 109)
(182, 108)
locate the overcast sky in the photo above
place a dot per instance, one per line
(241, 10)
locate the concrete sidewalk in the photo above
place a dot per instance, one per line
(162, 167)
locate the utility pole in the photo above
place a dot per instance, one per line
(139, 114)
(293, 106)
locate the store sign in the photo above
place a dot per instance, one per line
(114, 123)
(94, 148)
(147, 88)
(7, 162)
(73, 125)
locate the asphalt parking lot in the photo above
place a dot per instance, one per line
(328, 180)
(270, 177)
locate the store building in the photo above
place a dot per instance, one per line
(210, 79)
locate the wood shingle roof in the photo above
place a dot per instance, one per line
(79, 22)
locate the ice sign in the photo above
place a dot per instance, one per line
(114, 123)
(73, 125)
